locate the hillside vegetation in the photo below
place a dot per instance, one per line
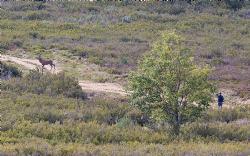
(114, 35)
(49, 114)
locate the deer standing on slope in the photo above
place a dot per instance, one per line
(46, 62)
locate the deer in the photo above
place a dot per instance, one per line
(46, 62)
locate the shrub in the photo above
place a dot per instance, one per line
(4, 45)
(7, 71)
(227, 115)
(91, 132)
(219, 131)
(235, 4)
(17, 43)
(51, 116)
(176, 9)
(124, 122)
(49, 84)
(25, 6)
(95, 60)
(41, 15)
(35, 35)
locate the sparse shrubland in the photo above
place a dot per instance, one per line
(50, 84)
(101, 122)
(218, 34)
(49, 114)
(7, 71)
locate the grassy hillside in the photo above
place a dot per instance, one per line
(102, 41)
(37, 122)
(114, 35)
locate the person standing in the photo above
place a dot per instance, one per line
(220, 100)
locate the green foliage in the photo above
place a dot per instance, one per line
(38, 15)
(36, 146)
(80, 132)
(217, 131)
(50, 84)
(60, 124)
(235, 4)
(8, 71)
(98, 29)
(168, 85)
(124, 122)
(227, 114)
(53, 124)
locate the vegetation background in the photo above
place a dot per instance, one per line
(102, 41)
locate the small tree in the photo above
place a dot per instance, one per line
(168, 86)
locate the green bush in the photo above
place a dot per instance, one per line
(7, 71)
(26, 6)
(36, 146)
(80, 132)
(216, 130)
(36, 108)
(17, 42)
(235, 4)
(4, 45)
(41, 15)
(50, 84)
(36, 35)
(227, 115)
(176, 9)
(52, 116)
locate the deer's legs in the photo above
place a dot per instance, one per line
(42, 68)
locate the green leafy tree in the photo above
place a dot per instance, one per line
(168, 85)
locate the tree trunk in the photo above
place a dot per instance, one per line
(176, 129)
(176, 125)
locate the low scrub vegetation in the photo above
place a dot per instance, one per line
(49, 114)
(57, 122)
(84, 126)
(50, 84)
(114, 45)
(7, 71)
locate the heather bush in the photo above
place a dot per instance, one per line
(36, 146)
(66, 121)
(216, 131)
(35, 15)
(8, 71)
(37, 117)
(4, 45)
(50, 84)
(80, 132)
(25, 6)
(227, 114)
(235, 4)
(99, 32)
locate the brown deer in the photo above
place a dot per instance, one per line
(46, 62)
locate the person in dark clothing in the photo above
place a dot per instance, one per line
(220, 100)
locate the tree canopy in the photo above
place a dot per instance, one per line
(168, 85)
